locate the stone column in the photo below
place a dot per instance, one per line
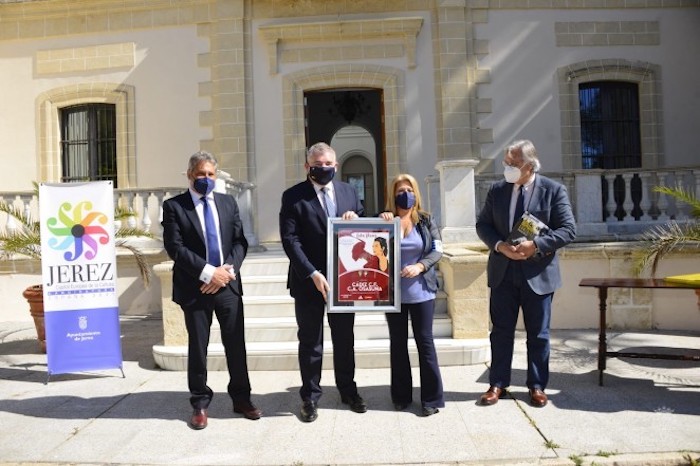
(457, 206)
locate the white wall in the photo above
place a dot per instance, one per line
(523, 60)
(166, 80)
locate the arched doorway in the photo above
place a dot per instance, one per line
(346, 118)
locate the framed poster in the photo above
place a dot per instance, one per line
(364, 265)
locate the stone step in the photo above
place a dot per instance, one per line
(264, 285)
(282, 305)
(274, 356)
(284, 329)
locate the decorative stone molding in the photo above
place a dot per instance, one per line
(607, 33)
(648, 78)
(48, 131)
(389, 80)
(300, 35)
(94, 58)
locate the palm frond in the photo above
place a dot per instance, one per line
(140, 258)
(125, 232)
(25, 223)
(681, 194)
(660, 240)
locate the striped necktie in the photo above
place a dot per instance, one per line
(328, 203)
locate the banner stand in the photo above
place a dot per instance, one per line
(81, 306)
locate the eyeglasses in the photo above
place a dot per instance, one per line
(506, 165)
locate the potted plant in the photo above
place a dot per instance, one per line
(660, 240)
(25, 241)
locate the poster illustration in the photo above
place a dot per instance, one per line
(364, 259)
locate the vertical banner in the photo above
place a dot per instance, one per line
(79, 277)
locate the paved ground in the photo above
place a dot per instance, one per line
(648, 412)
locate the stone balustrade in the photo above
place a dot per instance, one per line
(617, 204)
(146, 204)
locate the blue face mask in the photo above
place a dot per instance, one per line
(322, 175)
(203, 185)
(405, 200)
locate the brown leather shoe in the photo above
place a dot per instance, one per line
(248, 410)
(538, 398)
(198, 421)
(491, 396)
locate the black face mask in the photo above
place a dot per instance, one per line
(322, 175)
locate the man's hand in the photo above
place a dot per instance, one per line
(349, 215)
(520, 252)
(321, 284)
(222, 276)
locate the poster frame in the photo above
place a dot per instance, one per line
(338, 228)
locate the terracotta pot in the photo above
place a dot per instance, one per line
(35, 297)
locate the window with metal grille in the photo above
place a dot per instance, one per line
(610, 132)
(89, 143)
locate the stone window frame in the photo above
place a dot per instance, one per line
(49, 104)
(390, 80)
(648, 78)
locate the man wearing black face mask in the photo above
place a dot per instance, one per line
(303, 217)
(203, 235)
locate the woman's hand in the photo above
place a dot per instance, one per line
(388, 216)
(413, 270)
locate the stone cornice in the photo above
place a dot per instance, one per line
(403, 30)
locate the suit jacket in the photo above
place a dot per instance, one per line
(550, 203)
(184, 242)
(303, 229)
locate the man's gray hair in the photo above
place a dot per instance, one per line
(319, 148)
(199, 157)
(527, 151)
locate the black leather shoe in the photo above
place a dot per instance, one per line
(309, 411)
(248, 410)
(401, 406)
(198, 421)
(429, 411)
(357, 404)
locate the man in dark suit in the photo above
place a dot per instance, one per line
(523, 273)
(305, 210)
(203, 235)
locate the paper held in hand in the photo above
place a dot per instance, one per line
(526, 228)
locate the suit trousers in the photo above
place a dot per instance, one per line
(506, 300)
(228, 307)
(309, 315)
(431, 391)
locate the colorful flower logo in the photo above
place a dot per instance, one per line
(77, 235)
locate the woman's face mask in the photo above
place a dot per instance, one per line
(405, 200)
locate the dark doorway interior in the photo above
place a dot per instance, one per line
(328, 111)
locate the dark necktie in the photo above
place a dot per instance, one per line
(212, 236)
(328, 203)
(519, 205)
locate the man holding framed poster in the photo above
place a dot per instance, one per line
(306, 208)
